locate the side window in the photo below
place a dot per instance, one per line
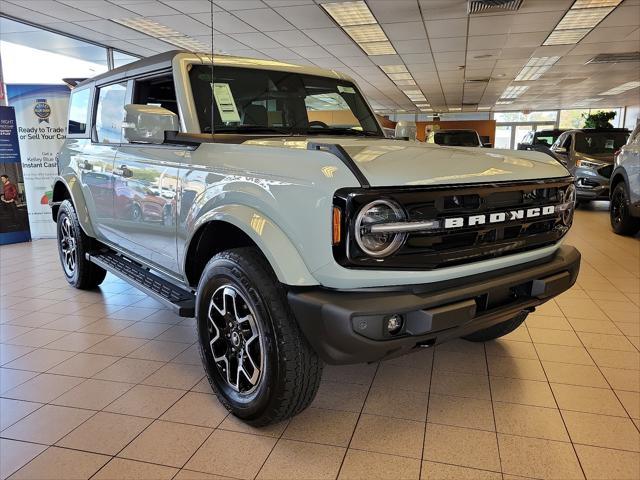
(110, 113)
(78, 111)
(567, 143)
(159, 91)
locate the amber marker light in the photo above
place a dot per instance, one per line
(337, 225)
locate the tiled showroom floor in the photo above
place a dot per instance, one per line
(107, 384)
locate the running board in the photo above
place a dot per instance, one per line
(181, 301)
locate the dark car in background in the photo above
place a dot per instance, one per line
(457, 138)
(540, 140)
(589, 154)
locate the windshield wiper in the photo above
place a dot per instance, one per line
(342, 131)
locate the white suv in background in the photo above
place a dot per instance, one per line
(625, 187)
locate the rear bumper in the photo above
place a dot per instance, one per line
(350, 326)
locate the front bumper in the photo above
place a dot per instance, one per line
(590, 185)
(349, 326)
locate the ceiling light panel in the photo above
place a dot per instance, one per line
(504, 102)
(595, 3)
(400, 76)
(566, 37)
(514, 91)
(378, 48)
(393, 68)
(621, 88)
(583, 18)
(349, 13)
(148, 27)
(535, 67)
(366, 33)
(405, 83)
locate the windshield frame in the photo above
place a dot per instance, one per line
(280, 131)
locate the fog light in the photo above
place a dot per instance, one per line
(394, 324)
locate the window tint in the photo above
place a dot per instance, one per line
(110, 113)
(78, 111)
(159, 91)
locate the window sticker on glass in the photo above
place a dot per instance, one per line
(609, 145)
(226, 103)
(343, 89)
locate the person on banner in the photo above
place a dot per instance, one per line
(8, 197)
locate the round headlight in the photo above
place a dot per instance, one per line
(569, 201)
(379, 244)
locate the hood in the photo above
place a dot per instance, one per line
(596, 157)
(386, 162)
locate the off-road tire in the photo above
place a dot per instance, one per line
(292, 370)
(622, 222)
(498, 330)
(85, 275)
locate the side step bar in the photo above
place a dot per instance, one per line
(181, 301)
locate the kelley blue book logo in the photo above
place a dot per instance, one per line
(42, 110)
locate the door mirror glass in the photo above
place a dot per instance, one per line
(148, 123)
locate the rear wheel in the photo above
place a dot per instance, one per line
(498, 330)
(256, 358)
(73, 244)
(622, 222)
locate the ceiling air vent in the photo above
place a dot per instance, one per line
(616, 57)
(476, 80)
(490, 6)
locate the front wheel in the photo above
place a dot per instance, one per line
(498, 330)
(73, 244)
(622, 222)
(256, 358)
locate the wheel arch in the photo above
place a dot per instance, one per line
(235, 226)
(619, 175)
(70, 189)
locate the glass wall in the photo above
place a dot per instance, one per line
(574, 118)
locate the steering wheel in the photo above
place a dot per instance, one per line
(318, 123)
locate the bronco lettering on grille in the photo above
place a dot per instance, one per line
(499, 217)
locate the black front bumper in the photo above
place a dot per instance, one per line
(350, 326)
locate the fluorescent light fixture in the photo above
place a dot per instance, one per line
(187, 43)
(405, 83)
(422, 105)
(378, 48)
(455, 109)
(484, 108)
(400, 76)
(148, 27)
(349, 13)
(595, 3)
(393, 68)
(366, 33)
(566, 37)
(583, 18)
(412, 92)
(621, 88)
(514, 92)
(504, 102)
(535, 67)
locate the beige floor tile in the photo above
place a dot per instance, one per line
(47, 425)
(622, 379)
(70, 323)
(132, 313)
(195, 408)
(545, 321)
(554, 337)
(234, 424)
(451, 361)
(117, 346)
(145, 401)
(40, 360)
(37, 338)
(158, 350)
(461, 412)
(92, 394)
(604, 463)
(461, 446)
(616, 358)
(83, 365)
(461, 385)
(77, 341)
(505, 348)
(57, 463)
(388, 435)
(397, 403)
(538, 458)
(528, 369)
(34, 319)
(8, 353)
(359, 465)
(190, 356)
(549, 308)
(341, 396)
(629, 329)
(610, 342)
(13, 410)
(396, 377)
(631, 402)
(529, 421)
(302, 461)
(420, 359)
(361, 373)
(602, 431)
(146, 330)
(106, 326)
(123, 469)
(129, 370)
(525, 392)
(587, 399)
(441, 471)
(581, 308)
(43, 388)
(10, 378)
(185, 474)
(219, 454)
(328, 427)
(178, 375)
(564, 354)
(162, 316)
(572, 374)
(520, 334)
(594, 326)
(179, 333)
(14, 455)
(105, 433)
(7, 332)
(166, 443)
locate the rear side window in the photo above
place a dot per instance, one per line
(78, 112)
(110, 113)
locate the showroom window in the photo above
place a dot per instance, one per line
(110, 113)
(79, 111)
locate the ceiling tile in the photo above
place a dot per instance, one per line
(490, 24)
(291, 38)
(454, 44)
(190, 6)
(405, 31)
(103, 9)
(311, 52)
(224, 22)
(256, 40)
(53, 9)
(456, 27)
(443, 9)
(351, 50)
(239, 4)
(151, 8)
(486, 42)
(411, 46)
(531, 39)
(264, 20)
(183, 24)
(328, 36)
(306, 16)
(395, 11)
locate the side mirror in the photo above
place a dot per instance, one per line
(147, 123)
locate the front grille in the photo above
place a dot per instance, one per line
(456, 246)
(606, 171)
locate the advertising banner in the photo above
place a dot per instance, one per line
(14, 221)
(41, 115)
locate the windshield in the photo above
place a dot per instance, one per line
(546, 138)
(457, 139)
(594, 143)
(266, 101)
